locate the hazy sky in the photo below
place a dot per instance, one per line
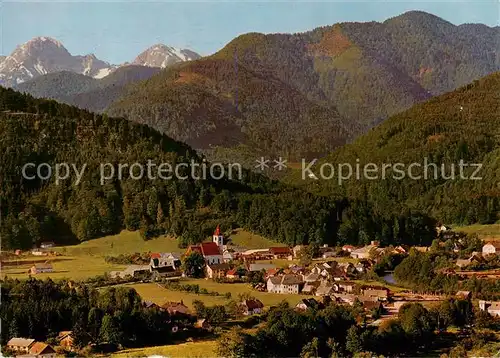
(117, 31)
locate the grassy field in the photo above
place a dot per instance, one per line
(182, 350)
(159, 295)
(87, 258)
(268, 299)
(485, 232)
(246, 239)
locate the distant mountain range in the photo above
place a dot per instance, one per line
(292, 95)
(44, 55)
(362, 72)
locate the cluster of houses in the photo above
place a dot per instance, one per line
(490, 248)
(492, 307)
(30, 348)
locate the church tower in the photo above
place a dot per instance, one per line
(218, 238)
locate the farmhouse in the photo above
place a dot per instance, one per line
(492, 307)
(176, 308)
(130, 270)
(41, 268)
(42, 350)
(324, 289)
(284, 284)
(202, 323)
(164, 259)
(310, 287)
(279, 252)
(364, 252)
(217, 270)
(47, 244)
(348, 248)
(20, 344)
(251, 307)
(491, 248)
(381, 294)
(65, 339)
(309, 303)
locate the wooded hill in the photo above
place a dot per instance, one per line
(42, 131)
(83, 91)
(364, 71)
(461, 125)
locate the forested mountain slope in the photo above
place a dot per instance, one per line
(463, 125)
(33, 210)
(213, 102)
(364, 71)
(84, 91)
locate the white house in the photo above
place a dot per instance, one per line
(491, 248)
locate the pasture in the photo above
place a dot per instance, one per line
(485, 232)
(203, 348)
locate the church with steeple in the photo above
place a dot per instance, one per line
(218, 238)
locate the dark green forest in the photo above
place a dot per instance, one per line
(463, 125)
(42, 131)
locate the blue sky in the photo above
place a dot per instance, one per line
(118, 31)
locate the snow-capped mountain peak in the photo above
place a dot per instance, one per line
(161, 55)
(43, 55)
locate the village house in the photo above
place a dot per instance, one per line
(291, 284)
(256, 254)
(42, 350)
(312, 277)
(296, 250)
(324, 289)
(334, 274)
(217, 270)
(344, 286)
(250, 307)
(176, 308)
(318, 268)
(165, 259)
(344, 298)
(232, 274)
(279, 252)
(47, 244)
(464, 295)
(65, 339)
(150, 304)
(310, 287)
(491, 248)
(364, 252)
(381, 294)
(347, 267)
(348, 248)
(494, 309)
(309, 303)
(227, 256)
(41, 268)
(22, 345)
(202, 323)
(285, 284)
(131, 271)
(39, 252)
